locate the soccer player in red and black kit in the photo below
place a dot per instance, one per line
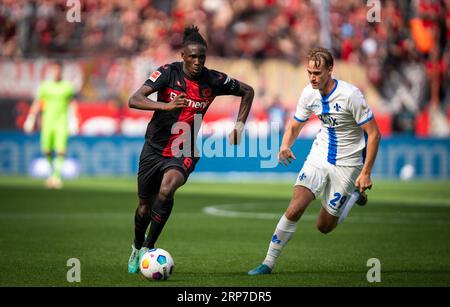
(185, 91)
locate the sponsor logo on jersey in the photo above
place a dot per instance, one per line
(328, 120)
(192, 103)
(155, 75)
(197, 104)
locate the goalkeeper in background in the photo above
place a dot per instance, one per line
(54, 98)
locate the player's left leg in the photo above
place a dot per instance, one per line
(338, 196)
(325, 221)
(362, 198)
(61, 137)
(172, 179)
(47, 145)
(355, 198)
(55, 179)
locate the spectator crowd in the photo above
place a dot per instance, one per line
(405, 52)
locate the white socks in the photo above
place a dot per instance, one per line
(353, 198)
(286, 229)
(283, 233)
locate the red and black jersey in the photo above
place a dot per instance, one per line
(169, 132)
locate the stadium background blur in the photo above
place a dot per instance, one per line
(400, 62)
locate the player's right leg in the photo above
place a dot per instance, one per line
(141, 222)
(285, 229)
(175, 172)
(148, 182)
(133, 261)
(171, 181)
(47, 142)
(309, 184)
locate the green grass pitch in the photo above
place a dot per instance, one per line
(218, 231)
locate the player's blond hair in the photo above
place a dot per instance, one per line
(321, 55)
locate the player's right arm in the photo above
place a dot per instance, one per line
(293, 129)
(157, 81)
(139, 100)
(34, 110)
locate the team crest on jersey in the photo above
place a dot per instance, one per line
(155, 75)
(206, 92)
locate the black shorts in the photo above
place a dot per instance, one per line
(152, 166)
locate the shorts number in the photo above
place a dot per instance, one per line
(187, 163)
(340, 198)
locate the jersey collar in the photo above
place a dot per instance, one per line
(325, 99)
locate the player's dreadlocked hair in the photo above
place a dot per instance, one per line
(319, 54)
(192, 36)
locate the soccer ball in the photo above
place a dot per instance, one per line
(407, 172)
(156, 264)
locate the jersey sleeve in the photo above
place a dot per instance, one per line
(359, 108)
(223, 84)
(40, 91)
(159, 78)
(302, 112)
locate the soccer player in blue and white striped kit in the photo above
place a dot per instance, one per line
(341, 157)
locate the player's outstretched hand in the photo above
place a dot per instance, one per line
(178, 102)
(29, 124)
(363, 182)
(286, 156)
(235, 137)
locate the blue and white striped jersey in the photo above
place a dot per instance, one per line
(340, 141)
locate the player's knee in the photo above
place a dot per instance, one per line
(142, 211)
(166, 193)
(324, 228)
(144, 207)
(162, 209)
(295, 210)
(293, 214)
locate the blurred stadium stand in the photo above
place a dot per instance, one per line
(400, 63)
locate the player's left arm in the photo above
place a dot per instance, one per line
(74, 114)
(73, 111)
(364, 181)
(246, 93)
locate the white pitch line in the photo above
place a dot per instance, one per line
(228, 210)
(57, 216)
